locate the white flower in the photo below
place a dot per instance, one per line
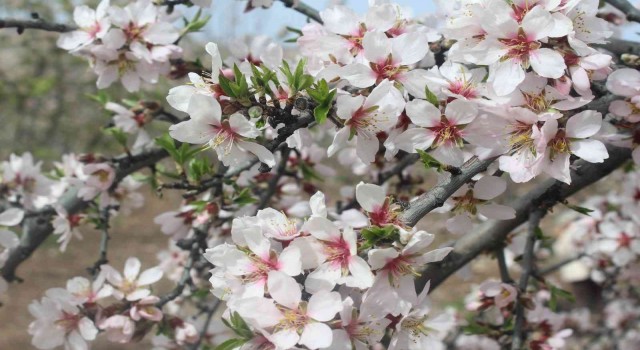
(59, 323)
(93, 24)
(365, 118)
(226, 137)
(131, 286)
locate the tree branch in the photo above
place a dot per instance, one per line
(37, 23)
(528, 264)
(632, 13)
(544, 196)
(436, 196)
(303, 9)
(37, 227)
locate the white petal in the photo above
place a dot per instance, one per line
(489, 187)
(131, 268)
(316, 336)
(370, 196)
(547, 62)
(324, 305)
(584, 124)
(423, 113)
(497, 211)
(284, 289)
(593, 151)
(150, 276)
(11, 217)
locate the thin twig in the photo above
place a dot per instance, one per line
(205, 325)
(272, 185)
(502, 265)
(552, 268)
(528, 268)
(304, 9)
(105, 216)
(39, 24)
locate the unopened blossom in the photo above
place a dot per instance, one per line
(558, 144)
(229, 137)
(293, 320)
(468, 201)
(93, 24)
(133, 285)
(444, 132)
(59, 323)
(364, 118)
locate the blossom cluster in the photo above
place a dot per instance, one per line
(274, 260)
(131, 44)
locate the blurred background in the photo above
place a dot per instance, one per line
(46, 109)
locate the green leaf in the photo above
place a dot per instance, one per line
(557, 293)
(375, 235)
(240, 326)
(431, 97)
(244, 197)
(581, 210)
(117, 133)
(198, 167)
(101, 97)
(429, 161)
(225, 84)
(231, 344)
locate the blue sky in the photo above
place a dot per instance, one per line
(229, 21)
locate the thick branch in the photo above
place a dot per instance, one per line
(619, 47)
(544, 196)
(40, 24)
(632, 13)
(436, 196)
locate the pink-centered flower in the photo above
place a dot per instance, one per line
(227, 137)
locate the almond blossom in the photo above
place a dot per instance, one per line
(393, 290)
(389, 59)
(59, 322)
(293, 321)
(245, 268)
(557, 144)
(365, 118)
(468, 201)
(443, 132)
(93, 24)
(132, 285)
(227, 137)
